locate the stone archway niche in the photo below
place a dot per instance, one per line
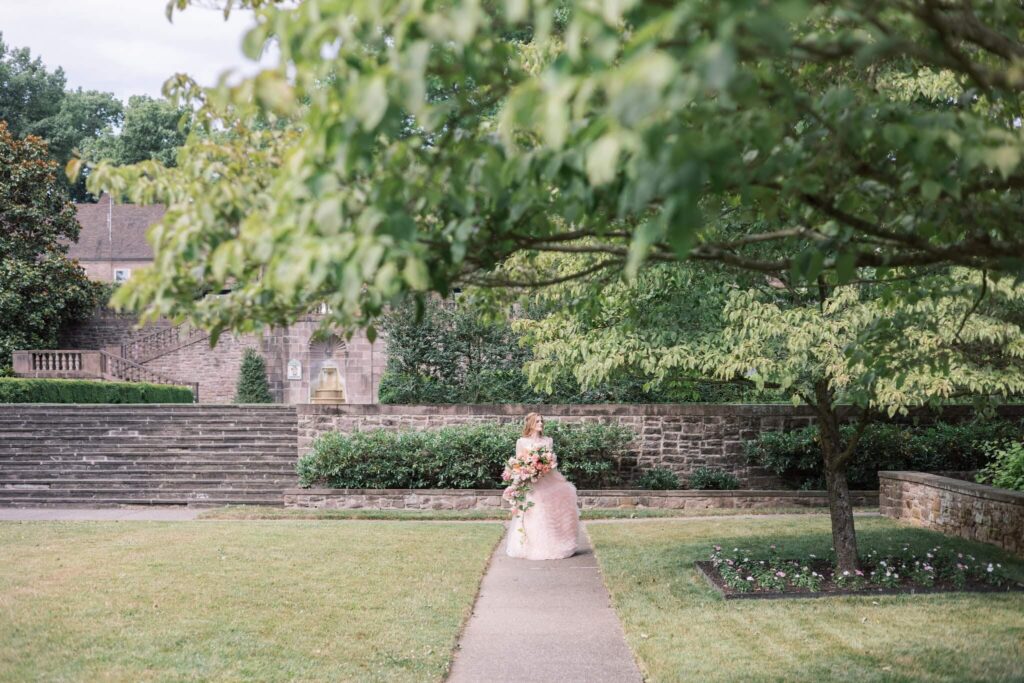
(327, 370)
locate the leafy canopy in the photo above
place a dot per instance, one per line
(826, 346)
(432, 140)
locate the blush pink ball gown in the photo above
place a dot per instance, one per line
(548, 529)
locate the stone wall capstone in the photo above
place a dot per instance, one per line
(484, 499)
(958, 508)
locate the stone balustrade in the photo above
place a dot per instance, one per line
(73, 364)
(955, 507)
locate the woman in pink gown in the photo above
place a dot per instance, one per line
(547, 530)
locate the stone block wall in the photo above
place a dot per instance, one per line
(105, 330)
(958, 508)
(678, 437)
(672, 436)
(216, 370)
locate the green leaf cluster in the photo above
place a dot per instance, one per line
(1006, 467)
(36, 101)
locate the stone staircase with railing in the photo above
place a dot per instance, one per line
(74, 364)
(169, 454)
(161, 342)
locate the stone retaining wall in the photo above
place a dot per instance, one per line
(488, 499)
(678, 437)
(954, 507)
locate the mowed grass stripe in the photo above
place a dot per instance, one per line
(222, 601)
(681, 630)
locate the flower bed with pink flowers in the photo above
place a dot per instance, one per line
(741, 573)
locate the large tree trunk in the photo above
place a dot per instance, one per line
(844, 537)
(836, 455)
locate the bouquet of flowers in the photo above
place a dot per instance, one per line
(523, 470)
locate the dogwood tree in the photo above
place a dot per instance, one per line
(835, 348)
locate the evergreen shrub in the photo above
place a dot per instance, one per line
(458, 457)
(253, 386)
(27, 390)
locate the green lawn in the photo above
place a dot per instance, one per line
(257, 512)
(681, 630)
(223, 601)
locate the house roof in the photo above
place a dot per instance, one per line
(127, 226)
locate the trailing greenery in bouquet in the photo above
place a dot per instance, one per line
(521, 471)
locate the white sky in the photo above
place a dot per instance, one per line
(126, 47)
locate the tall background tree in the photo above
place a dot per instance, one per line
(151, 129)
(36, 101)
(40, 289)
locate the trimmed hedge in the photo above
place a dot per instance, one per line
(462, 457)
(796, 456)
(26, 390)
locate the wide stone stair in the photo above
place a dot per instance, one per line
(180, 454)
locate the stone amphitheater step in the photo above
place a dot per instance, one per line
(186, 485)
(142, 447)
(114, 501)
(153, 455)
(147, 469)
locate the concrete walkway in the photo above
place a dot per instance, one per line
(543, 621)
(134, 514)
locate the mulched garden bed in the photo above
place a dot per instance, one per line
(829, 588)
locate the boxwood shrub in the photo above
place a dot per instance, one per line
(658, 479)
(796, 456)
(460, 457)
(711, 479)
(26, 390)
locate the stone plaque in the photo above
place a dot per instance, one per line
(294, 369)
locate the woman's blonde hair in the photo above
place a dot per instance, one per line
(530, 423)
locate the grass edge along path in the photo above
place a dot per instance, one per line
(246, 512)
(306, 601)
(681, 629)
